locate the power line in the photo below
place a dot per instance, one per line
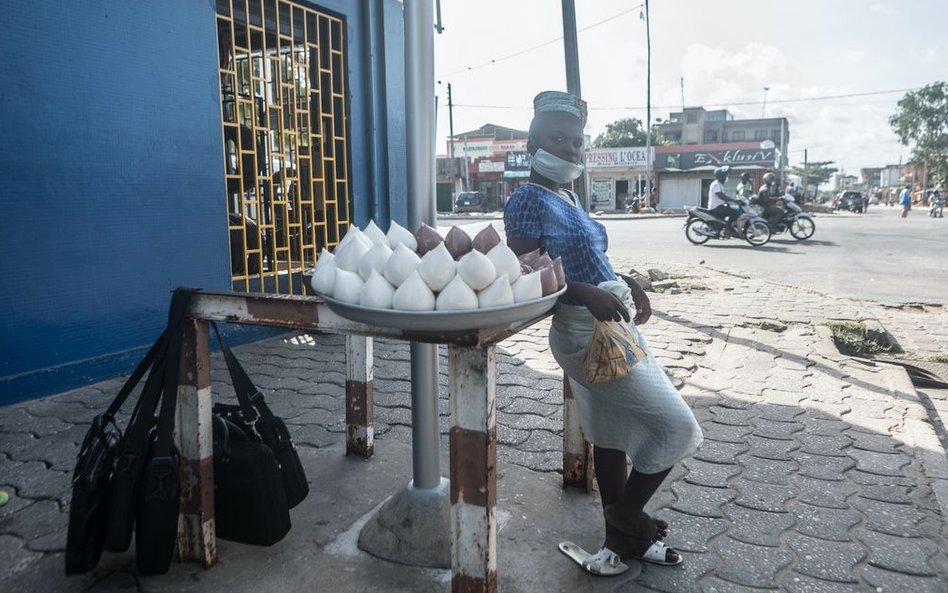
(535, 47)
(729, 104)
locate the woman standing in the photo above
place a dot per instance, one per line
(641, 416)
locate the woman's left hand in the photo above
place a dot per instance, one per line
(643, 307)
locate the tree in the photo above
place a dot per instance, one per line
(816, 173)
(921, 120)
(628, 131)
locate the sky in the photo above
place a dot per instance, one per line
(498, 54)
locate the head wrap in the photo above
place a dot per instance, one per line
(560, 101)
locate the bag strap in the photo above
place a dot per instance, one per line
(135, 378)
(253, 405)
(164, 441)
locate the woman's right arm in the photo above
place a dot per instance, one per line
(602, 304)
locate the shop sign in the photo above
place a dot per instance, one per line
(502, 146)
(602, 191)
(473, 148)
(615, 158)
(490, 166)
(518, 161)
(706, 159)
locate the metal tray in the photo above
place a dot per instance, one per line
(445, 320)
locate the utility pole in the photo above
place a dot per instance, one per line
(571, 48)
(806, 172)
(648, 109)
(763, 108)
(451, 120)
(682, 94)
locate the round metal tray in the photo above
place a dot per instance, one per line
(445, 320)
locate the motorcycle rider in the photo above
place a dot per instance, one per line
(718, 201)
(767, 198)
(745, 189)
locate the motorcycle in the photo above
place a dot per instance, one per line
(937, 205)
(793, 219)
(702, 226)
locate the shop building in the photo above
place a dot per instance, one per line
(614, 174)
(684, 173)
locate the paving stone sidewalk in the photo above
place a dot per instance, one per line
(819, 472)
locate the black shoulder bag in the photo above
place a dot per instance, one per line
(258, 476)
(105, 481)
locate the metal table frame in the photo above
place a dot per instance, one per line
(472, 444)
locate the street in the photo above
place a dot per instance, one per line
(875, 256)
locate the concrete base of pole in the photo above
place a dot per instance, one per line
(413, 527)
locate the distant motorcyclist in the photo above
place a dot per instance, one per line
(718, 201)
(745, 189)
(769, 199)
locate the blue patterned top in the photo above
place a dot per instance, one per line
(564, 230)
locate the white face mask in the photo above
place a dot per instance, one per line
(554, 168)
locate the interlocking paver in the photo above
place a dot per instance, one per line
(886, 580)
(732, 416)
(909, 555)
(794, 582)
(692, 533)
(701, 501)
(768, 470)
(761, 528)
(750, 565)
(762, 496)
(771, 429)
(715, 475)
(826, 560)
(720, 452)
(886, 517)
(823, 467)
(824, 445)
(726, 433)
(771, 449)
(824, 522)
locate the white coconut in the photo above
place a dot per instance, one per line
(527, 288)
(402, 263)
(351, 251)
(437, 267)
(324, 277)
(374, 259)
(497, 294)
(456, 296)
(325, 257)
(413, 295)
(375, 234)
(348, 286)
(376, 292)
(399, 234)
(477, 270)
(505, 261)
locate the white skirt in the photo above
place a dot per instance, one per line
(642, 413)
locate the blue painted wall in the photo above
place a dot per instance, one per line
(111, 176)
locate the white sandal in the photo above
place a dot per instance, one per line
(657, 553)
(604, 563)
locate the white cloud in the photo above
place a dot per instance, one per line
(883, 9)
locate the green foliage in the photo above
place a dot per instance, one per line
(816, 173)
(921, 120)
(628, 131)
(851, 339)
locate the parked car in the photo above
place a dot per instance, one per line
(852, 201)
(472, 201)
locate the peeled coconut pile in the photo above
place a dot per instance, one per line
(427, 272)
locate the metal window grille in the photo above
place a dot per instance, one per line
(282, 72)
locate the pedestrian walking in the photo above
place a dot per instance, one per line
(641, 415)
(905, 200)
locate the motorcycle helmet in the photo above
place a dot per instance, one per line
(721, 173)
(769, 178)
(745, 177)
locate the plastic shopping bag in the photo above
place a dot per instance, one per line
(611, 353)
